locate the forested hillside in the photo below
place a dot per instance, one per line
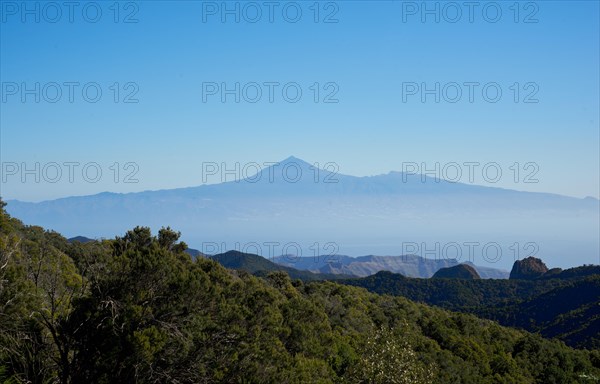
(139, 309)
(564, 306)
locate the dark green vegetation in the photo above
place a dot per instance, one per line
(139, 309)
(82, 239)
(563, 304)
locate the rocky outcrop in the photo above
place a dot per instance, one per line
(528, 269)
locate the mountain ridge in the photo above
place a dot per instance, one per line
(304, 165)
(350, 211)
(361, 266)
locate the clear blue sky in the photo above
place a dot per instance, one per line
(369, 53)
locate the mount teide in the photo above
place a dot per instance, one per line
(360, 215)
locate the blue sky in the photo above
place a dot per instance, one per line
(368, 57)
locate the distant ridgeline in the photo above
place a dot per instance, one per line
(407, 265)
